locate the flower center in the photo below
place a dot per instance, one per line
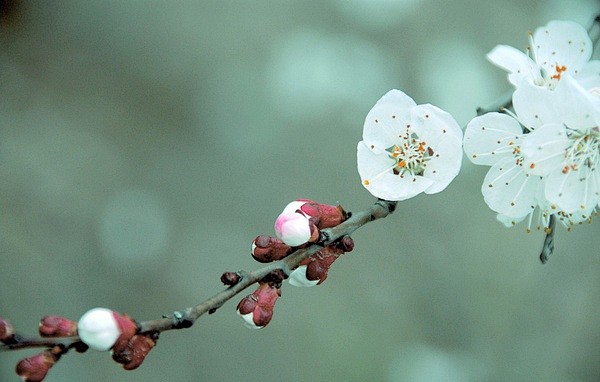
(411, 154)
(550, 80)
(585, 150)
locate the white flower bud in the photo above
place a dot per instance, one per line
(98, 329)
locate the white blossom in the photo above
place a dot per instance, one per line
(408, 148)
(566, 151)
(559, 48)
(495, 139)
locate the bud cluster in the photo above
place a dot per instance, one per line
(297, 226)
(99, 328)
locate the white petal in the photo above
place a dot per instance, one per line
(518, 64)
(444, 165)
(98, 329)
(577, 107)
(376, 174)
(249, 320)
(508, 190)
(293, 207)
(563, 43)
(589, 75)
(544, 149)
(298, 278)
(393, 187)
(573, 190)
(431, 123)
(534, 105)
(387, 120)
(371, 164)
(509, 221)
(491, 137)
(293, 228)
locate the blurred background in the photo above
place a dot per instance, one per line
(144, 144)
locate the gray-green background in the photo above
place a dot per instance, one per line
(143, 145)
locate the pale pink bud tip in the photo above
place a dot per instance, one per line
(56, 326)
(295, 229)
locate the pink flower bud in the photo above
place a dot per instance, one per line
(127, 327)
(101, 328)
(323, 215)
(257, 308)
(35, 368)
(134, 352)
(56, 326)
(230, 278)
(301, 220)
(346, 244)
(267, 248)
(295, 228)
(314, 269)
(7, 331)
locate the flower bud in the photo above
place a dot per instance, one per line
(230, 278)
(323, 215)
(7, 331)
(56, 326)
(35, 368)
(314, 269)
(295, 229)
(300, 221)
(257, 308)
(346, 244)
(267, 248)
(102, 328)
(134, 352)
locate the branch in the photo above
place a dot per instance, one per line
(185, 318)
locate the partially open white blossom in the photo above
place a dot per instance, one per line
(98, 329)
(408, 148)
(559, 48)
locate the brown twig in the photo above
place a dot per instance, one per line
(185, 318)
